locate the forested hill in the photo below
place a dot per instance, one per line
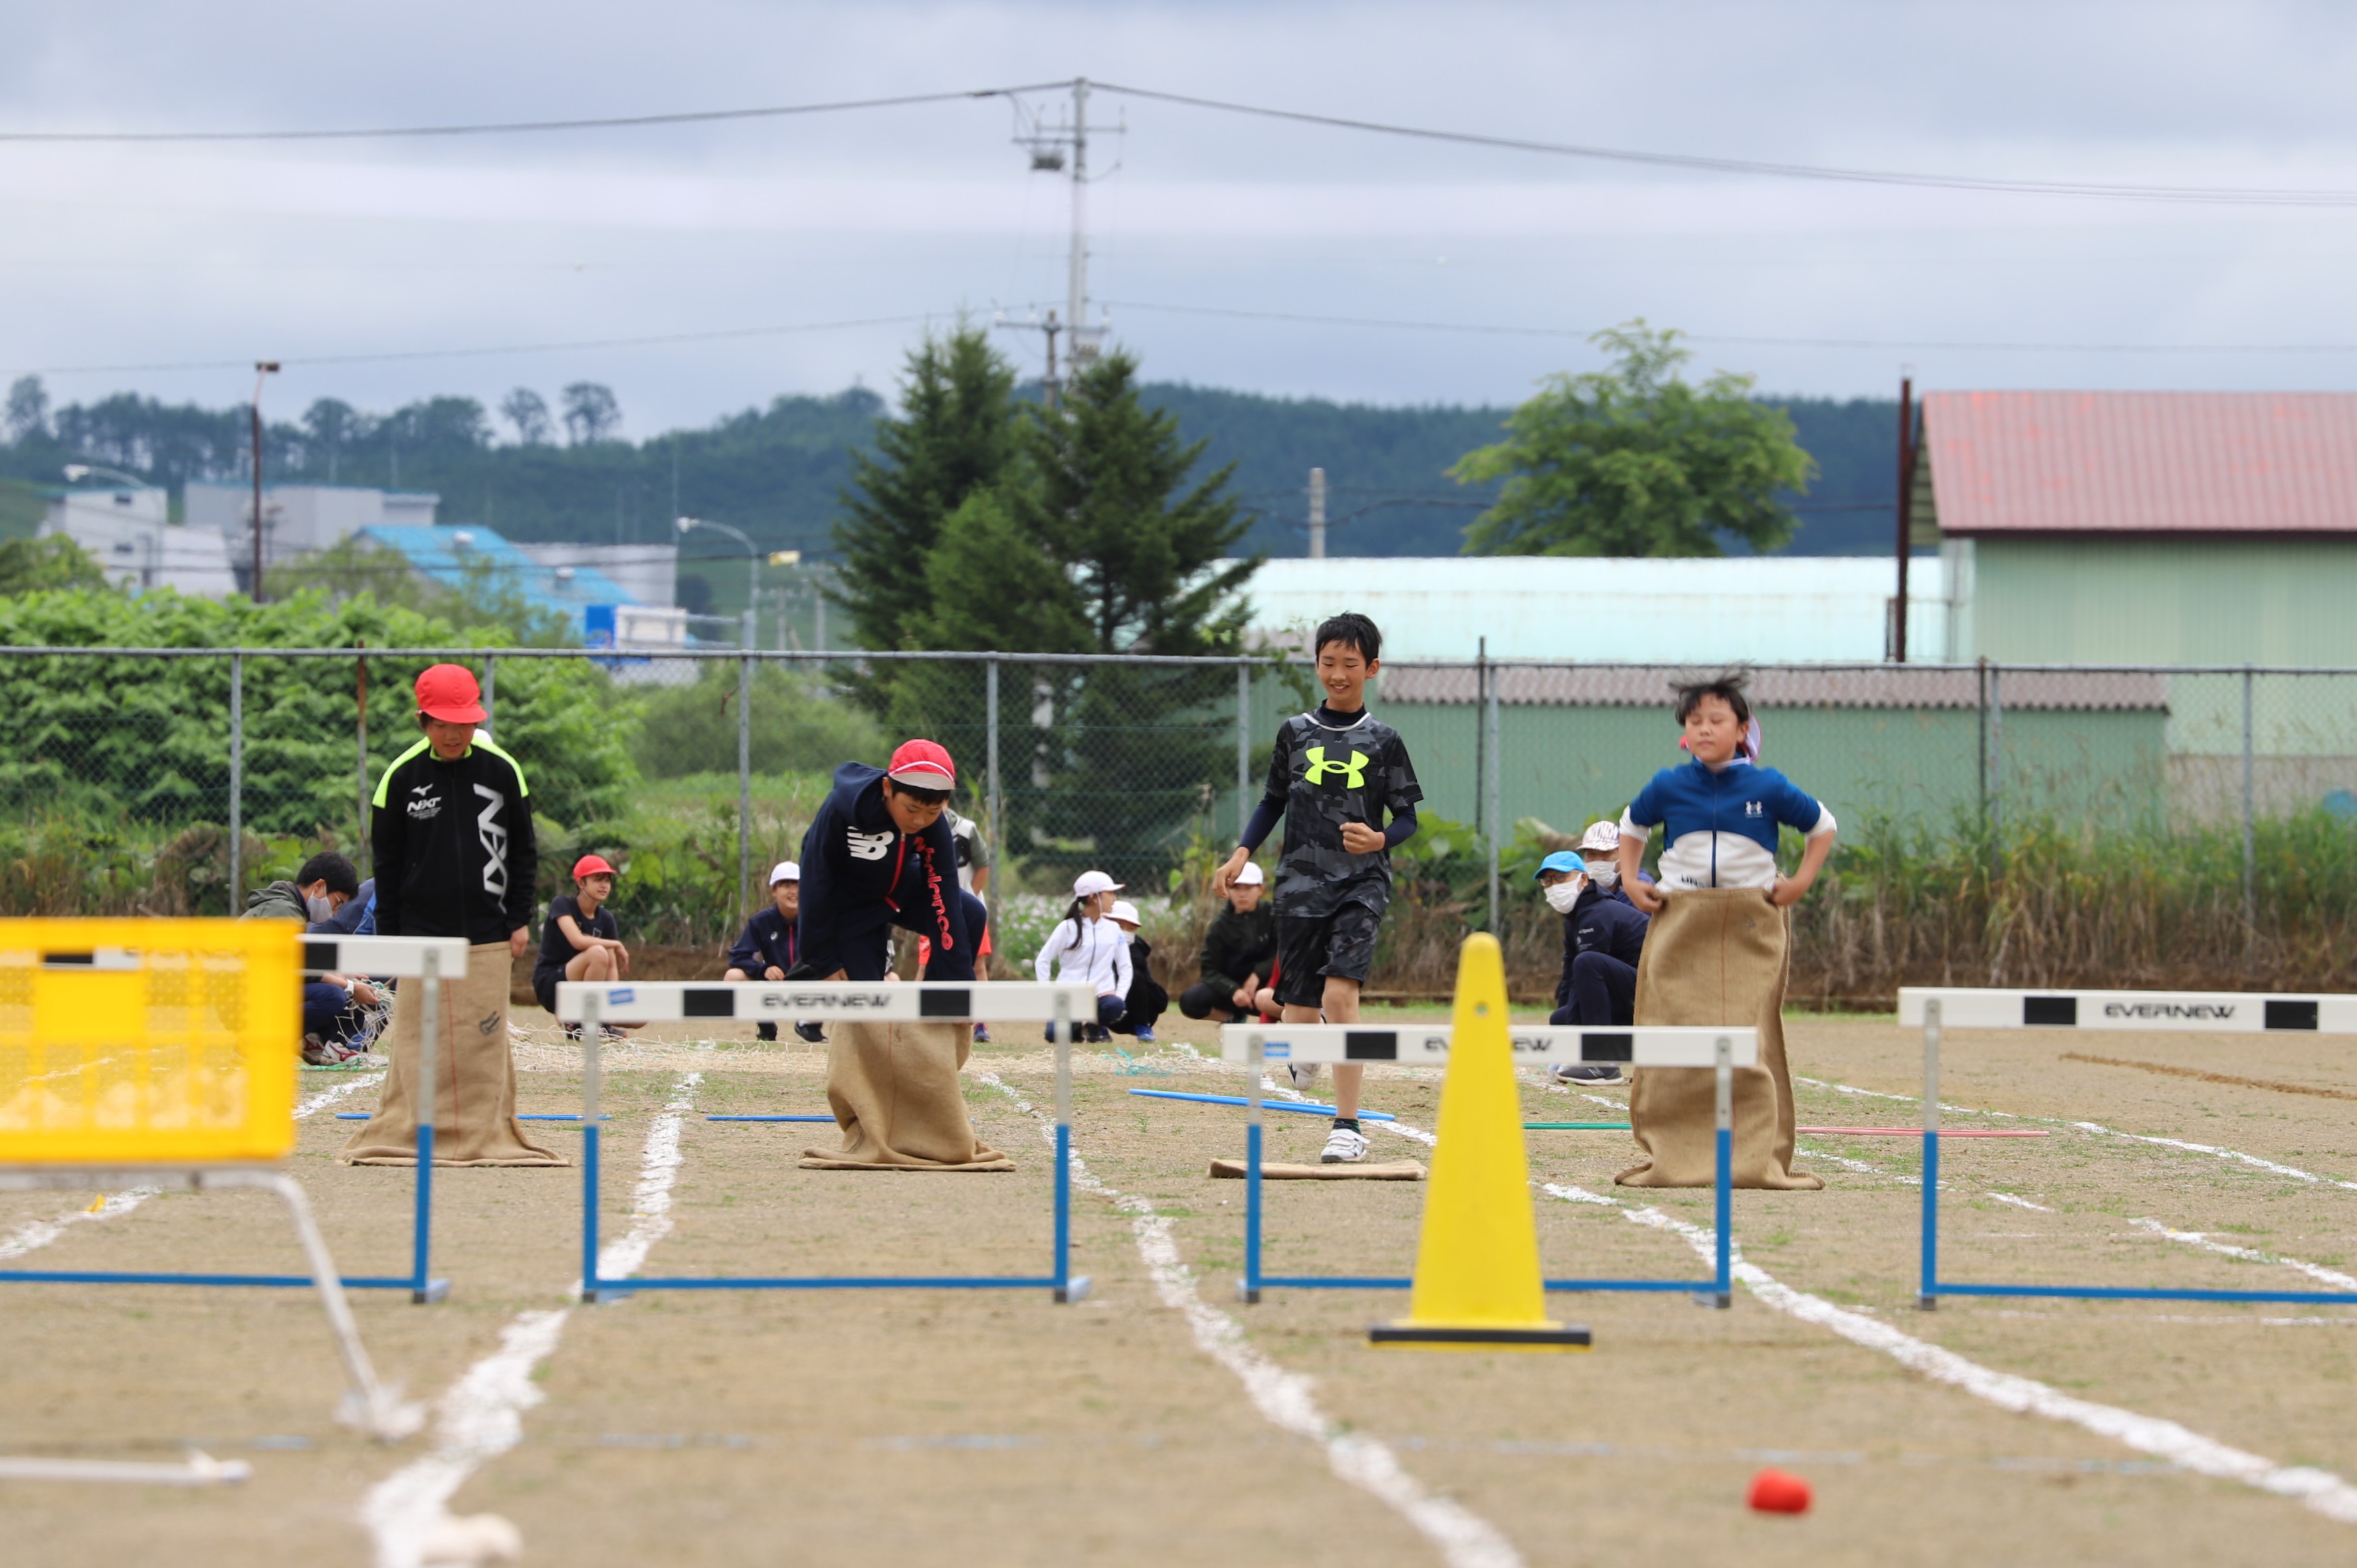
(775, 472)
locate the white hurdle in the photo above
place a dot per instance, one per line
(594, 1004)
(1933, 1008)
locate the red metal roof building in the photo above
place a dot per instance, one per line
(2162, 527)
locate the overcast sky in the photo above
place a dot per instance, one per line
(157, 255)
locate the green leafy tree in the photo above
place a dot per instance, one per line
(37, 566)
(955, 437)
(1635, 461)
(692, 728)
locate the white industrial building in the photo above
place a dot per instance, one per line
(298, 520)
(129, 532)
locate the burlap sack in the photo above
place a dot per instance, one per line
(474, 1078)
(894, 1092)
(1715, 955)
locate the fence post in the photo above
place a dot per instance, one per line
(744, 775)
(1480, 736)
(1996, 754)
(361, 846)
(2250, 843)
(1244, 747)
(490, 687)
(1982, 773)
(236, 783)
(1492, 809)
(994, 807)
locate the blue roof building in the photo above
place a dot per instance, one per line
(458, 558)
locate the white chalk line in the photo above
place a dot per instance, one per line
(481, 1415)
(38, 1233)
(1288, 1400)
(2215, 1151)
(2201, 1238)
(2316, 1489)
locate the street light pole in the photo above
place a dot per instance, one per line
(752, 569)
(262, 371)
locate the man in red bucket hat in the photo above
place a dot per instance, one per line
(451, 828)
(878, 855)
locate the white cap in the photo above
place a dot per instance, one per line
(1601, 838)
(1127, 913)
(785, 871)
(1250, 877)
(1090, 883)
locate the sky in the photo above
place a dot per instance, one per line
(804, 254)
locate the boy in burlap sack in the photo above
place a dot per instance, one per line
(451, 827)
(876, 855)
(1720, 944)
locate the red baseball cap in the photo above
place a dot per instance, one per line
(590, 865)
(449, 693)
(921, 765)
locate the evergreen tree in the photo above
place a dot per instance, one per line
(955, 437)
(1116, 775)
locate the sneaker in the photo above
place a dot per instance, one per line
(1588, 1073)
(812, 1032)
(765, 1030)
(1304, 1076)
(573, 1033)
(317, 1052)
(982, 1034)
(1145, 1033)
(1343, 1148)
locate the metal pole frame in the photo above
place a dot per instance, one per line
(490, 688)
(1715, 1292)
(1494, 748)
(995, 805)
(744, 778)
(1062, 1285)
(1933, 1288)
(2250, 832)
(236, 784)
(1244, 748)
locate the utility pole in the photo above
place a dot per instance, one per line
(1048, 155)
(262, 371)
(1318, 514)
(1906, 511)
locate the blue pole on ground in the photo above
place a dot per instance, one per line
(1725, 1197)
(1928, 1297)
(1066, 1288)
(1308, 1108)
(1253, 1065)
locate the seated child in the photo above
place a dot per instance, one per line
(1146, 1000)
(772, 943)
(581, 939)
(1086, 946)
(1238, 948)
(1603, 937)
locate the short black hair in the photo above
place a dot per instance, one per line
(922, 797)
(1352, 630)
(1727, 686)
(334, 870)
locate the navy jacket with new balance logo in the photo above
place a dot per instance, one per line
(861, 874)
(455, 853)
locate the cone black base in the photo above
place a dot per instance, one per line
(1569, 1337)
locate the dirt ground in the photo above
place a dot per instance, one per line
(994, 1427)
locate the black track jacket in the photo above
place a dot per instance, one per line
(455, 855)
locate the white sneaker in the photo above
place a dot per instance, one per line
(1343, 1148)
(1304, 1076)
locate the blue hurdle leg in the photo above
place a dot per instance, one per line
(1724, 1280)
(423, 1288)
(1927, 1297)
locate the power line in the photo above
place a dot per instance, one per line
(717, 335)
(523, 127)
(1700, 161)
(1492, 328)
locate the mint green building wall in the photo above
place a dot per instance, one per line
(2258, 601)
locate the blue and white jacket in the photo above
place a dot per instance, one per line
(1722, 824)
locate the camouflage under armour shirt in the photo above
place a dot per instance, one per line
(1324, 775)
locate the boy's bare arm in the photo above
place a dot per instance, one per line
(1630, 854)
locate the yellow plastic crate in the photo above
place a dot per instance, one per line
(148, 1042)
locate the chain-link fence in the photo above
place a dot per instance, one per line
(172, 779)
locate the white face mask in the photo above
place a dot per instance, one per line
(322, 910)
(1605, 874)
(1561, 895)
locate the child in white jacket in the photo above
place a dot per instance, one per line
(1088, 947)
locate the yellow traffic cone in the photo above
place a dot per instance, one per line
(1477, 1268)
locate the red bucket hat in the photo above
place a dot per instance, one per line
(590, 865)
(449, 693)
(921, 765)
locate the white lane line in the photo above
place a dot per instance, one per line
(2320, 1490)
(2021, 1202)
(1288, 1400)
(38, 1233)
(483, 1413)
(2201, 1238)
(2237, 1156)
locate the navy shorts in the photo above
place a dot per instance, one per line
(1308, 950)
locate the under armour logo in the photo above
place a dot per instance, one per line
(1319, 768)
(1755, 809)
(867, 846)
